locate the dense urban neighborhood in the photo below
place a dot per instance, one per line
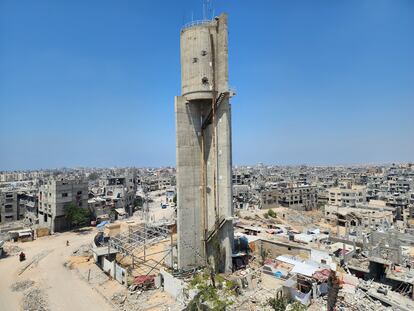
(111, 215)
(111, 236)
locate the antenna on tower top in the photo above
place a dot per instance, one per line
(208, 9)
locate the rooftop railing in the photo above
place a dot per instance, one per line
(196, 23)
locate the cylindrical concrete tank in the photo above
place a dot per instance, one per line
(204, 56)
(197, 61)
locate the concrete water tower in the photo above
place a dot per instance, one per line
(203, 128)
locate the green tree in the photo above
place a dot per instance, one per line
(281, 304)
(296, 306)
(278, 304)
(217, 296)
(76, 215)
(271, 213)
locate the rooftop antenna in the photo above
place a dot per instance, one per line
(208, 10)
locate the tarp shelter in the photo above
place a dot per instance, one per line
(250, 239)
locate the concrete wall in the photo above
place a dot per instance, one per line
(274, 249)
(172, 285)
(189, 227)
(108, 266)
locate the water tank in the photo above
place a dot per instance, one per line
(196, 62)
(204, 56)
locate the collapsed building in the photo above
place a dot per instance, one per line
(114, 198)
(354, 217)
(298, 196)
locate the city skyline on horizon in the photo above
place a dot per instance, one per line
(233, 166)
(316, 85)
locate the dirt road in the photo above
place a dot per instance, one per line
(63, 288)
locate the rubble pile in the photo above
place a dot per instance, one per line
(35, 300)
(298, 218)
(144, 300)
(21, 286)
(360, 301)
(119, 298)
(258, 300)
(11, 249)
(83, 251)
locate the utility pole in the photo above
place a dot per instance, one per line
(146, 210)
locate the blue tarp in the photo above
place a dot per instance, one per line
(102, 224)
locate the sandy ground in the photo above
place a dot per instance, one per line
(64, 289)
(155, 210)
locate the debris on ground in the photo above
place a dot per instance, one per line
(11, 249)
(35, 300)
(21, 286)
(119, 298)
(358, 301)
(145, 300)
(83, 251)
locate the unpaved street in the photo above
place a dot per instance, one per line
(64, 290)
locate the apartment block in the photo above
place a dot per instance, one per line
(347, 196)
(9, 207)
(54, 196)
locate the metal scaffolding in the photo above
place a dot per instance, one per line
(138, 240)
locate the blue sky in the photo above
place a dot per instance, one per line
(92, 83)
